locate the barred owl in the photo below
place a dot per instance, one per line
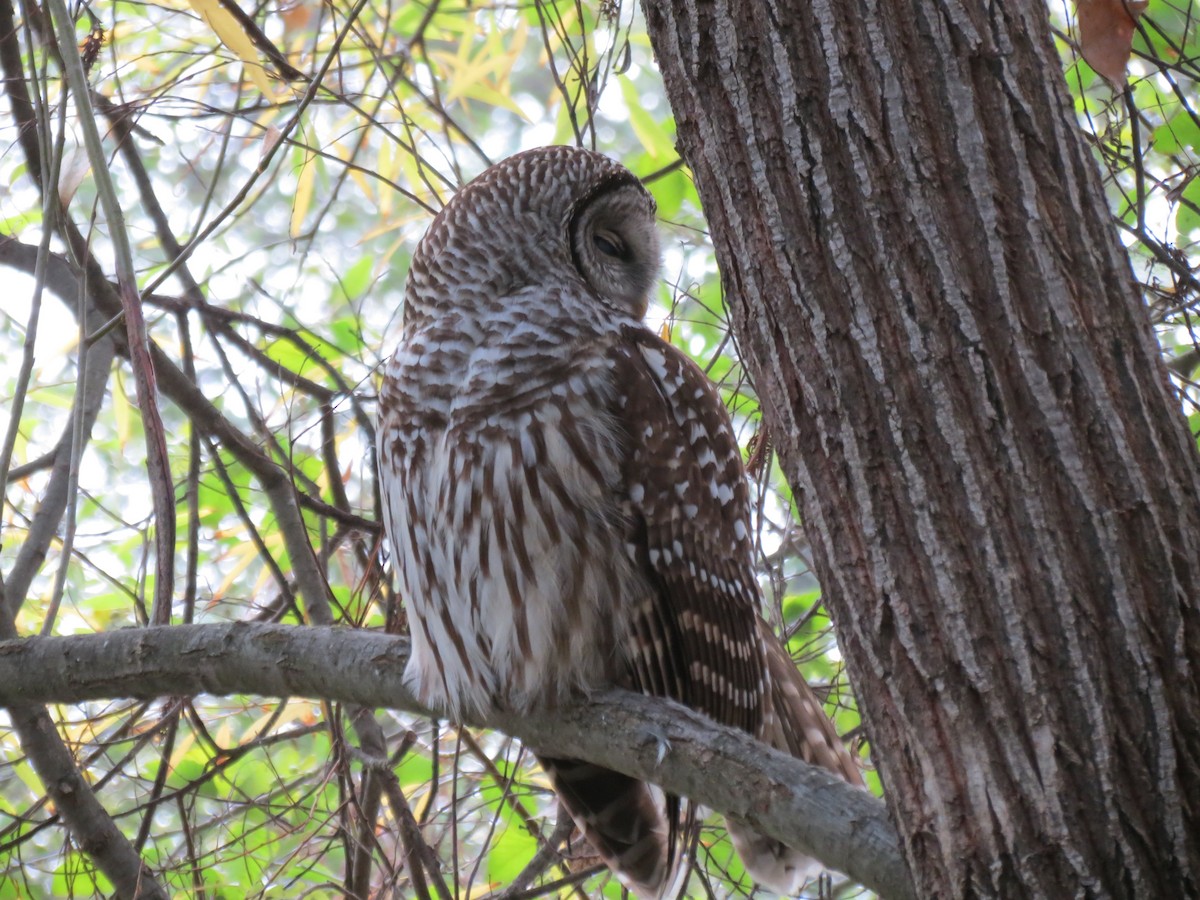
(566, 502)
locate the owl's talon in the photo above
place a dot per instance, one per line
(661, 741)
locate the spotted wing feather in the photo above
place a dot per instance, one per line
(695, 639)
(700, 638)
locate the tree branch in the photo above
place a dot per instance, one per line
(158, 466)
(63, 280)
(46, 521)
(89, 822)
(656, 740)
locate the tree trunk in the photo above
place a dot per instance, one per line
(959, 375)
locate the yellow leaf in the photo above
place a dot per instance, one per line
(493, 97)
(271, 138)
(346, 154)
(233, 36)
(75, 168)
(388, 167)
(383, 228)
(304, 194)
(242, 557)
(183, 746)
(411, 166)
(481, 72)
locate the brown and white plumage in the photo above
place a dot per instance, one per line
(565, 498)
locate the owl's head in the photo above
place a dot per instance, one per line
(560, 218)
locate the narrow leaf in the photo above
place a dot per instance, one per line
(233, 36)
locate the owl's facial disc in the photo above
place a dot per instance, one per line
(615, 246)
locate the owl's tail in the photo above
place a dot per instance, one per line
(641, 837)
(794, 722)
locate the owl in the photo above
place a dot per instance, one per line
(566, 502)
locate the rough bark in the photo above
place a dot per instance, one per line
(960, 379)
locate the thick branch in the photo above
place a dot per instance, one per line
(720, 767)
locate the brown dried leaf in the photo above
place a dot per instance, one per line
(297, 15)
(1106, 34)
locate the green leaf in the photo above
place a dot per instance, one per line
(720, 852)
(657, 141)
(250, 777)
(188, 769)
(1178, 134)
(874, 785)
(415, 769)
(796, 606)
(76, 877)
(9, 889)
(347, 335)
(1187, 215)
(253, 866)
(613, 889)
(354, 281)
(670, 191)
(512, 848)
(291, 357)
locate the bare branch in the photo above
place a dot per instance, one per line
(655, 740)
(44, 526)
(158, 466)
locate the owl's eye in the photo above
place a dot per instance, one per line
(614, 245)
(609, 244)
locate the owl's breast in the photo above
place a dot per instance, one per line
(501, 515)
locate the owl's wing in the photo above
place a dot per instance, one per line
(695, 633)
(695, 638)
(693, 627)
(699, 637)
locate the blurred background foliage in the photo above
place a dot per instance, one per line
(276, 164)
